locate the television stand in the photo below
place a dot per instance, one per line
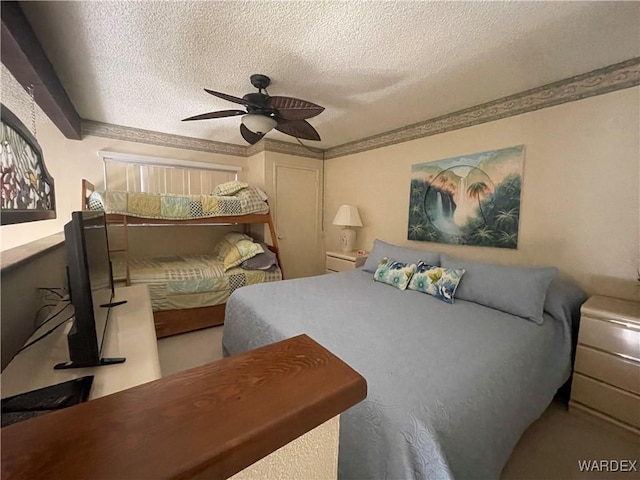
(103, 361)
(130, 333)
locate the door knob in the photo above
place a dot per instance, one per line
(280, 237)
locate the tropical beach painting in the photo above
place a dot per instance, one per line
(468, 200)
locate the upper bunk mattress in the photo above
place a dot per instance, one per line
(177, 207)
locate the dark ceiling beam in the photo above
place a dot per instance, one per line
(23, 55)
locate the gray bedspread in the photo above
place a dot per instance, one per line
(451, 387)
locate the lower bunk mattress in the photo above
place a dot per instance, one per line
(189, 281)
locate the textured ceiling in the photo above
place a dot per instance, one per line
(374, 66)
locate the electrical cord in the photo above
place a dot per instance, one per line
(35, 317)
(314, 150)
(52, 290)
(47, 320)
(45, 306)
(49, 332)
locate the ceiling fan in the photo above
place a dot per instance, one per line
(263, 113)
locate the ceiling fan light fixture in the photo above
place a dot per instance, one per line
(263, 113)
(258, 123)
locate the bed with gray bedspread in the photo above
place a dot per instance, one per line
(451, 388)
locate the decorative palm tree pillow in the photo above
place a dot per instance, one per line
(437, 281)
(394, 273)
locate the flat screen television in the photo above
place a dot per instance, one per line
(91, 288)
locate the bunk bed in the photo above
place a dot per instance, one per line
(168, 319)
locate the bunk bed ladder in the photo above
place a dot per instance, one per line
(274, 242)
(87, 189)
(125, 246)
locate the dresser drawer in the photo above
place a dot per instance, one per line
(610, 337)
(610, 369)
(611, 401)
(339, 265)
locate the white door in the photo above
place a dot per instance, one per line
(297, 216)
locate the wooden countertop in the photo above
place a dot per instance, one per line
(210, 421)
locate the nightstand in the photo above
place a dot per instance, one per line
(606, 379)
(341, 261)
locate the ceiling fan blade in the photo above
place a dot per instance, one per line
(220, 114)
(298, 128)
(293, 108)
(249, 136)
(229, 98)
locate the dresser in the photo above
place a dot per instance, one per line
(341, 261)
(606, 380)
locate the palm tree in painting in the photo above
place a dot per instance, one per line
(478, 191)
(443, 181)
(508, 239)
(507, 218)
(484, 234)
(416, 193)
(417, 231)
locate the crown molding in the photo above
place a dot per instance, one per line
(597, 82)
(130, 134)
(278, 146)
(138, 135)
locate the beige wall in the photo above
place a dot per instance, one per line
(69, 161)
(21, 298)
(312, 456)
(580, 204)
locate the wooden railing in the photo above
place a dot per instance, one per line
(210, 421)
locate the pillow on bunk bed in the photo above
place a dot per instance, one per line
(240, 252)
(226, 244)
(262, 261)
(229, 188)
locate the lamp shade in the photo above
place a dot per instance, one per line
(347, 216)
(258, 123)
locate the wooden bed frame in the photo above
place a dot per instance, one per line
(173, 322)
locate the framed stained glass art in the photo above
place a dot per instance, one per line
(27, 187)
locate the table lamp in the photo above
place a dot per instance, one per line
(348, 217)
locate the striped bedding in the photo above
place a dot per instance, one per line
(190, 281)
(177, 207)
